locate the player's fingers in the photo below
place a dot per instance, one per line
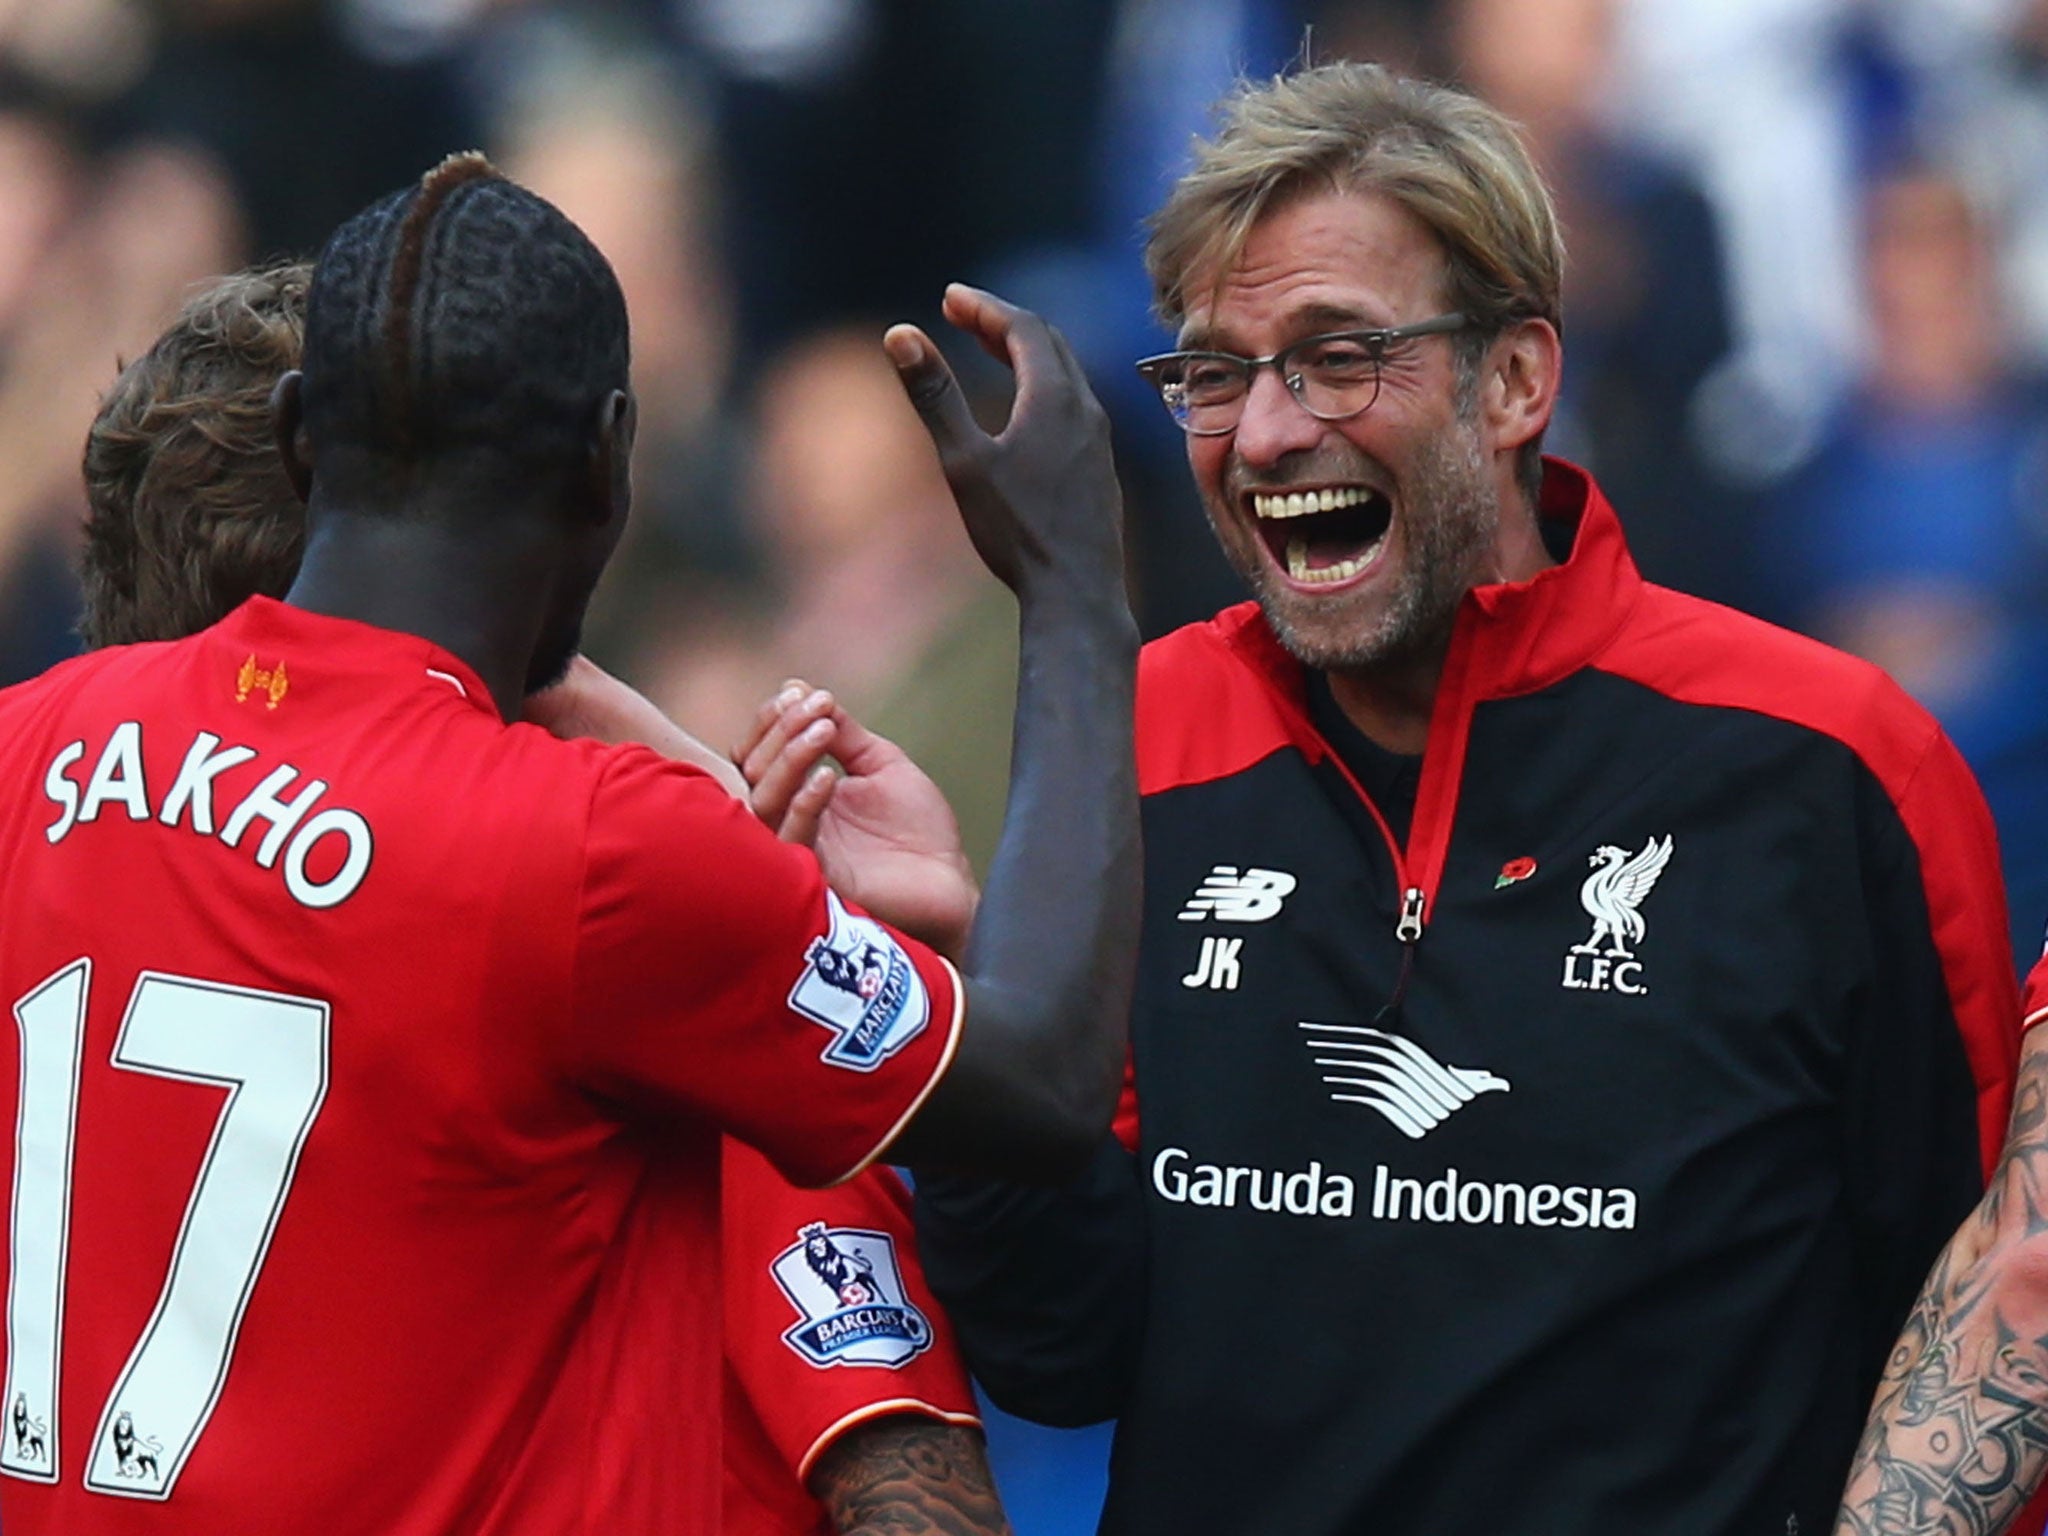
(795, 706)
(788, 726)
(983, 316)
(766, 714)
(934, 392)
(858, 749)
(1016, 337)
(774, 790)
(1006, 331)
(807, 807)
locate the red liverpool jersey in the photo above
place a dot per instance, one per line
(828, 1324)
(347, 1022)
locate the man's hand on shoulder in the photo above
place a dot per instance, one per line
(908, 1476)
(882, 831)
(590, 703)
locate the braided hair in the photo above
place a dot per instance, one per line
(461, 315)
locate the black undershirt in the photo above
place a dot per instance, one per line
(1389, 777)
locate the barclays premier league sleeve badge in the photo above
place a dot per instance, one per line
(858, 983)
(848, 1293)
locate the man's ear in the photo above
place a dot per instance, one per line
(1525, 367)
(608, 490)
(288, 429)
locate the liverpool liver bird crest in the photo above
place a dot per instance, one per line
(1613, 895)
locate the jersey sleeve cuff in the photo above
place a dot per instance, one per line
(939, 1067)
(916, 1407)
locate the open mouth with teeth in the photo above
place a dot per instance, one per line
(1323, 536)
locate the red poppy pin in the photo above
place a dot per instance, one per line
(1514, 871)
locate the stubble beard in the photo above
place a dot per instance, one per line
(1448, 522)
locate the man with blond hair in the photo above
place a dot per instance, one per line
(1570, 1014)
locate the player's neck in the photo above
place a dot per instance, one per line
(482, 600)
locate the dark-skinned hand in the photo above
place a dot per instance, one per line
(1039, 498)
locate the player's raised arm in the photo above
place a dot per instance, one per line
(1050, 959)
(701, 935)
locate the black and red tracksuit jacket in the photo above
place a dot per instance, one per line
(1566, 1168)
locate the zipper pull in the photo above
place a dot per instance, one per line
(1409, 928)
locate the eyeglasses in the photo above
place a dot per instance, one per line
(1334, 376)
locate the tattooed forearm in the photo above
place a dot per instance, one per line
(1958, 1437)
(908, 1476)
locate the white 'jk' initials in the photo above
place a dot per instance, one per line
(1217, 968)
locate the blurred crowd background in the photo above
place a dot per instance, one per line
(1807, 308)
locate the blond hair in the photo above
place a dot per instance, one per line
(1453, 162)
(188, 507)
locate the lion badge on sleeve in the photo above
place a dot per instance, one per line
(858, 983)
(848, 1292)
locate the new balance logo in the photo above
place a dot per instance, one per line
(1231, 896)
(1416, 1092)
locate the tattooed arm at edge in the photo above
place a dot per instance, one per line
(1958, 1436)
(907, 1476)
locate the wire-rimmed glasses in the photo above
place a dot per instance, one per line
(1335, 375)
